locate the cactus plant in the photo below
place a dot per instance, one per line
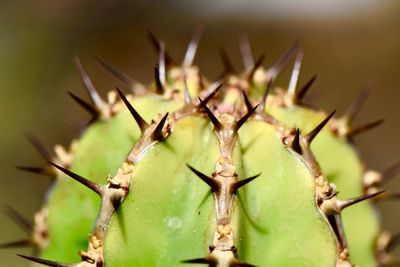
(227, 173)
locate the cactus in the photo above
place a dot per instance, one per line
(227, 173)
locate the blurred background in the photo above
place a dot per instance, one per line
(347, 43)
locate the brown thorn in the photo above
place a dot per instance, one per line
(159, 86)
(17, 244)
(192, 47)
(390, 172)
(123, 77)
(363, 128)
(211, 116)
(186, 92)
(295, 74)
(311, 135)
(36, 170)
(245, 51)
(349, 202)
(243, 182)
(228, 66)
(265, 95)
(161, 64)
(357, 104)
(18, 218)
(39, 146)
(139, 120)
(91, 90)
(210, 262)
(241, 264)
(156, 45)
(208, 180)
(242, 120)
(283, 60)
(214, 88)
(44, 262)
(296, 142)
(247, 101)
(89, 108)
(258, 64)
(89, 184)
(158, 134)
(303, 91)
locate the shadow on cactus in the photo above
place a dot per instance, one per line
(230, 173)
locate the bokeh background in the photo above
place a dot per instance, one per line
(347, 43)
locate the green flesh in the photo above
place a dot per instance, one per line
(285, 216)
(290, 231)
(342, 166)
(73, 208)
(163, 221)
(168, 215)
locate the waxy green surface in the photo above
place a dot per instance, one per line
(289, 230)
(168, 215)
(99, 153)
(343, 167)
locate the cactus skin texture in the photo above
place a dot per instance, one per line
(227, 173)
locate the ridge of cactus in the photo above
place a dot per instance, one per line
(227, 173)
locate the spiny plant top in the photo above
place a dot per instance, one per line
(215, 173)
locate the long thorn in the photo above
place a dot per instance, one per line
(349, 202)
(89, 108)
(296, 142)
(208, 180)
(139, 120)
(228, 66)
(35, 170)
(18, 218)
(265, 95)
(159, 85)
(213, 89)
(192, 47)
(245, 51)
(283, 60)
(156, 45)
(162, 72)
(91, 90)
(158, 134)
(44, 262)
(123, 77)
(208, 261)
(357, 104)
(294, 78)
(243, 182)
(39, 146)
(247, 101)
(211, 116)
(363, 128)
(17, 244)
(241, 264)
(242, 120)
(311, 135)
(89, 184)
(390, 172)
(303, 91)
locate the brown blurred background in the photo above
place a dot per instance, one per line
(347, 43)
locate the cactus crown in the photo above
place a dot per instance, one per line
(226, 173)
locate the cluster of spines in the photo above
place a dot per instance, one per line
(117, 188)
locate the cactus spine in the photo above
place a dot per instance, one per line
(264, 197)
